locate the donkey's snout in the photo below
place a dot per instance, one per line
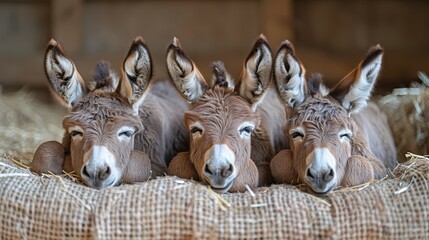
(100, 173)
(219, 176)
(99, 170)
(219, 170)
(222, 172)
(320, 177)
(320, 180)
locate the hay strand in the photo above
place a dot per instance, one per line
(407, 111)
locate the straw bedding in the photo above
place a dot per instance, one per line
(36, 207)
(408, 114)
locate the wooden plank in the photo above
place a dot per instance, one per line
(67, 23)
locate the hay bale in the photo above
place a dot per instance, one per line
(407, 110)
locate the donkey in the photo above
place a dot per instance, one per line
(116, 130)
(337, 137)
(232, 140)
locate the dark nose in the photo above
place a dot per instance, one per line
(221, 172)
(99, 173)
(320, 178)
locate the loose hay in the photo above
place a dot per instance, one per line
(25, 123)
(59, 207)
(407, 110)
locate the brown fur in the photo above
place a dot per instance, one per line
(322, 118)
(221, 111)
(100, 113)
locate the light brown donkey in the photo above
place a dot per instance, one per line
(233, 134)
(116, 130)
(335, 138)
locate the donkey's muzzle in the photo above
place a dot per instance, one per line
(219, 170)
(219, 176)
(320, 173)
(99, 169)
(96, 177)
(101, 173)
(320, 181)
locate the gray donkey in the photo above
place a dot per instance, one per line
(117, 130)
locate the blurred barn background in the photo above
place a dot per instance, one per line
(330, 36)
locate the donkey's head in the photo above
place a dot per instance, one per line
(103, 117)
(220, 121)
(320, 128)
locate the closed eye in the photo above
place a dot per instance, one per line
(296, 134)
(126, 134)
(345, 135)
(196, 131)
(76, 133)
(246, 131)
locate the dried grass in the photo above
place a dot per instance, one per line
(25, 123)
(407, 110)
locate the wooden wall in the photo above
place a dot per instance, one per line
(93, 30)
(330, 36)
(333, 35)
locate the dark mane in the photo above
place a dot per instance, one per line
(314, 82)
(103, 77)
(220, 75)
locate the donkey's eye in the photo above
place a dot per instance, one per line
(196, 130)
(296, 135)
(345, 135)
(126, 134)
(75, 133)
(246, 131)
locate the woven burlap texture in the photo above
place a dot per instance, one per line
(34, 207)
(48, 207)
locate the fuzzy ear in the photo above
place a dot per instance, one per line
(136, 74)
(221, 77)
(289, 75)
(184, 73)
(65, 81)
(355, 89)
(255, 77)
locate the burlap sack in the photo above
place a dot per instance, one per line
(34, 207)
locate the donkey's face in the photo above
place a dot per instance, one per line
(220, 121)
(319, 126)
(101, 131)
(103, 117)
(220, 125)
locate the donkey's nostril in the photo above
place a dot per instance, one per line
(228, 171)
(104, 173)
(207, 170)
(310, 175)
(329, 175)
(85, 172)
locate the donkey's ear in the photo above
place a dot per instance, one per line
(136, 74)
(355, 89)
(289, 75)
(184, 73)
(221, 77)
(65, 81)
(255, 77)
